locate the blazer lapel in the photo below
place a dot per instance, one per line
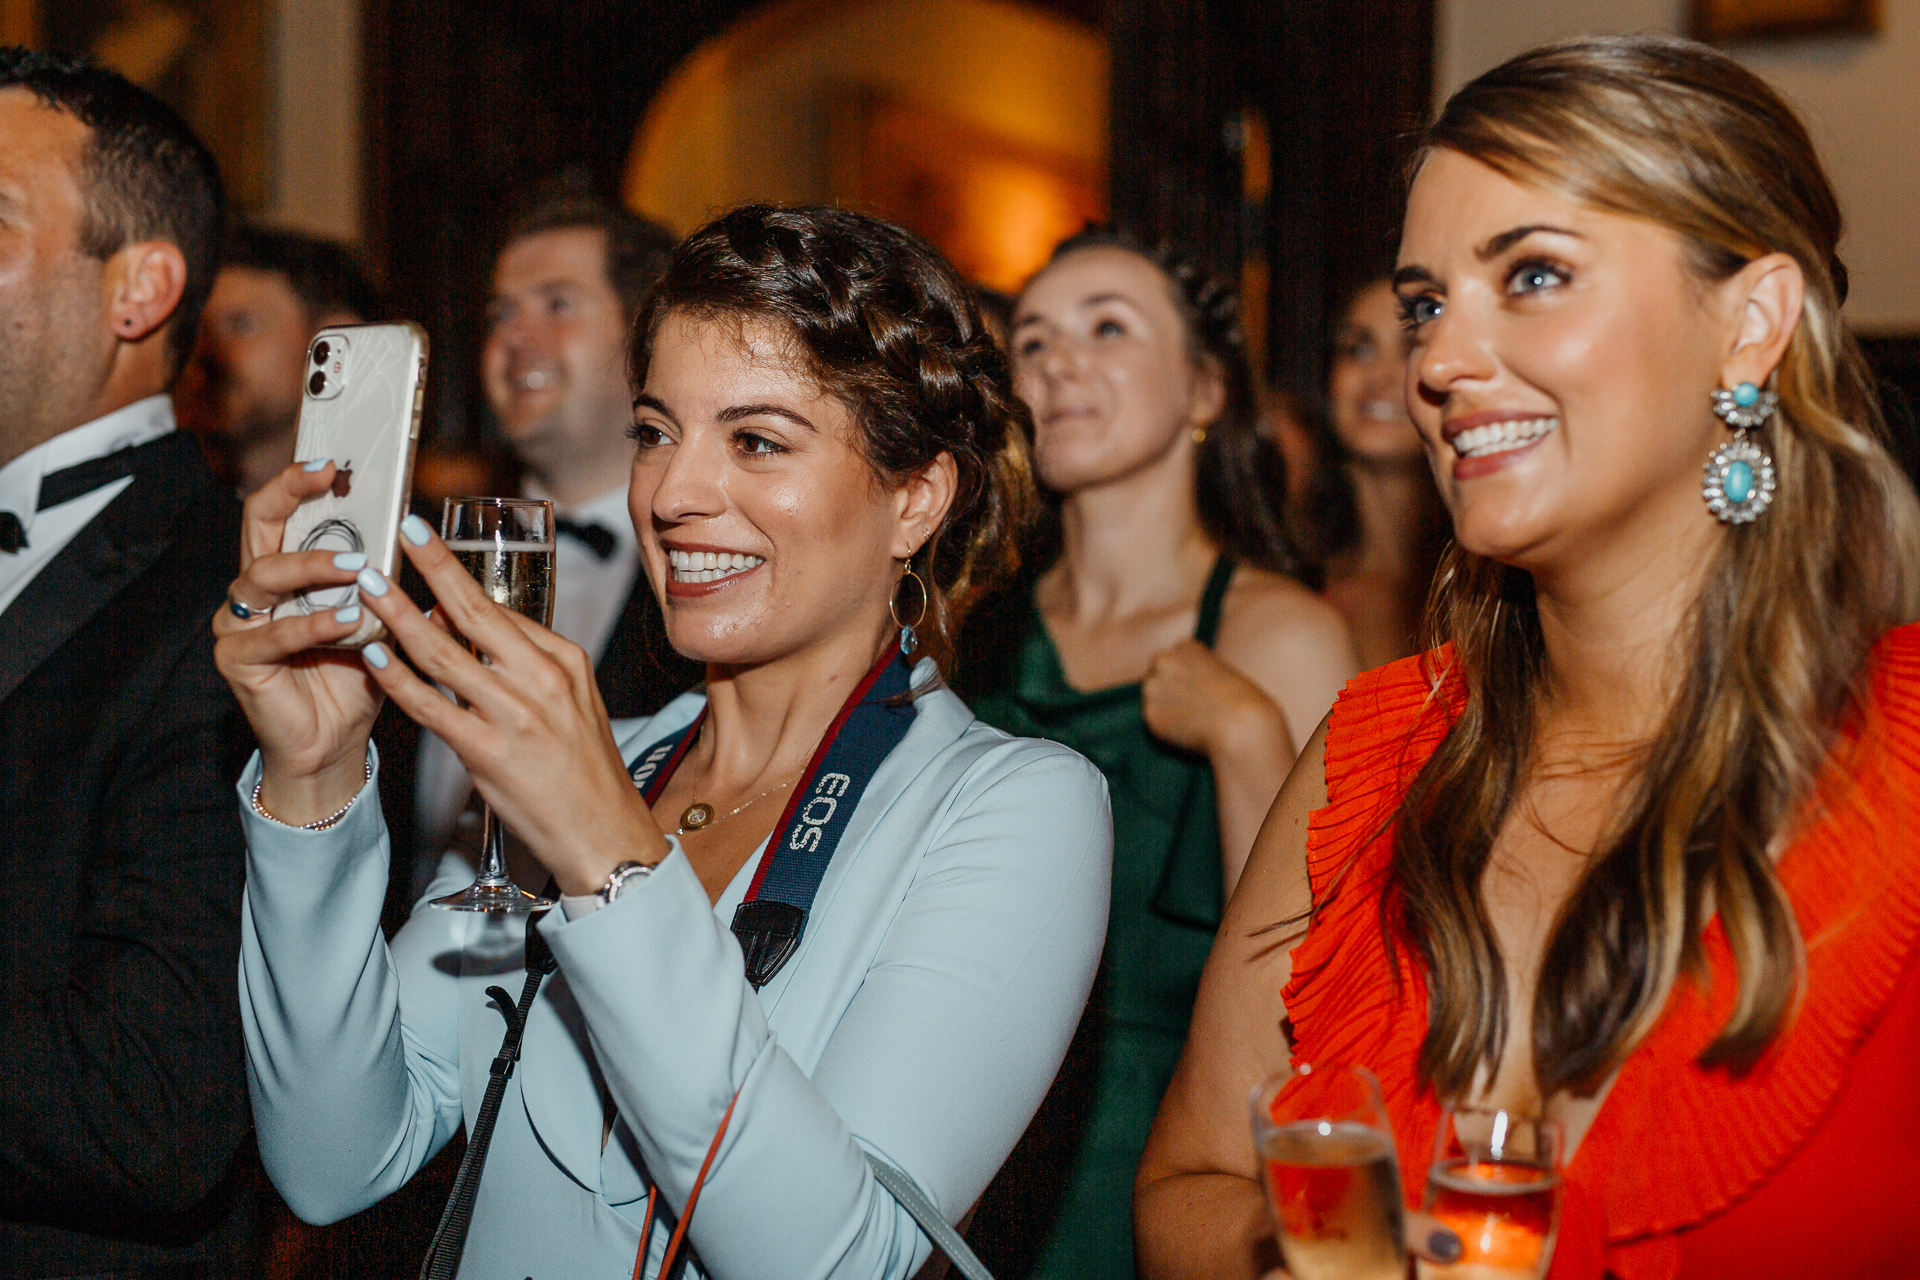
(560, 1083)
(114, 549)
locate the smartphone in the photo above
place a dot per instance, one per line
(361, 408)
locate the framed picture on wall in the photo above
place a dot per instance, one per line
(1722, 20)
(207, 59)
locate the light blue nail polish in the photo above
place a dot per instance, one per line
(318, 464)
(350, 560)
(416, 530)
(349, 614)
(376, 656)
(371, 582)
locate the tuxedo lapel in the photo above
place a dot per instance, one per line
(114, 549)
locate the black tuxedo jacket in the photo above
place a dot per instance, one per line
(123, 1097)
(638, 673)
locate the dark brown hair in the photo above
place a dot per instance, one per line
(1240, 477)
(147, 175)
(325, 275)
(1680, 135)
(888, 327)
(637, 247)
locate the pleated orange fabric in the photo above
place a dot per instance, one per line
(1804, 1165)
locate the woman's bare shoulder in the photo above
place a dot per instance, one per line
(1271, 624)
(1261, 601)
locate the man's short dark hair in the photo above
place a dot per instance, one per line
(324, 274)
(637, 247)
(146, 175)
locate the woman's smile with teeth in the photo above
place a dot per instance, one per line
(1498, 437)
(710, 566)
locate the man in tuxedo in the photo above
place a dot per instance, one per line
(242, 387)
(122, 1092)
(567, 286)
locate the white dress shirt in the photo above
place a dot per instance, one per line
(588, 593)
(48, 532)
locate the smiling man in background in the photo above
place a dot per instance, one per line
(567, 285)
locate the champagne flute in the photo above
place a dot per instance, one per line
(1495, 1180)
(1326, 1156)
(507, 544)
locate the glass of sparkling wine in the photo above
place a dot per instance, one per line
(1326, 1156)
(1495, 1179)
(507, 545)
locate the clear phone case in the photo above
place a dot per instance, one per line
(361, 408)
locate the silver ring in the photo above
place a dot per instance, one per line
(242, 610)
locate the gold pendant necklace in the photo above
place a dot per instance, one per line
(699, 815)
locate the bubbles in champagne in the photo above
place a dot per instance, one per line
(518, 575)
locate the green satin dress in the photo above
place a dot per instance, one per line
(1062, 1207)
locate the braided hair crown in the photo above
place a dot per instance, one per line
(1240, 478)
(886, 325)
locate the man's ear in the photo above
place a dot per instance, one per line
(1768, 292)
(144, 282)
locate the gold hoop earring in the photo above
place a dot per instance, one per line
(908, 640)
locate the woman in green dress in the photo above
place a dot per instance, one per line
(1171, 643)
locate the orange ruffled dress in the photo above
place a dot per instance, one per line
(1806, 1166)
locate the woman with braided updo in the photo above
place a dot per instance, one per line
(815, 920)
(1172, 644)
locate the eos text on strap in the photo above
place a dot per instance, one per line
(770, 922)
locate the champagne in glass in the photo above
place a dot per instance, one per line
(1327, 1158)
(517, 575)
(1495, 1180)
(507, 545)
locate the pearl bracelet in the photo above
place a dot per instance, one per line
(323, 823)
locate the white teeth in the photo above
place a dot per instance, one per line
(709, 566)
(1498, 437)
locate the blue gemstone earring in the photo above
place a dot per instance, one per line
(1740, 479)
(909, 641)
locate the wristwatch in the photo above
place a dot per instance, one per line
(622, 876)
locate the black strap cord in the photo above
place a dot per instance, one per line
(450, 1238)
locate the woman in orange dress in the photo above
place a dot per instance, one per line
(1640, 846)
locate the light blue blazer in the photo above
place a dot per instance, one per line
(942, 972)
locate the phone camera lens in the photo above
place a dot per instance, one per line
(317, 383)
(320, 352)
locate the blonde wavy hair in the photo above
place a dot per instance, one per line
(1674, 133)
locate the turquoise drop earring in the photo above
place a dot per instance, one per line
(1740, 479)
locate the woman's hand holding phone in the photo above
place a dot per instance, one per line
(311, 709)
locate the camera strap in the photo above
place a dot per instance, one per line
(770, 921)
(450, 1238)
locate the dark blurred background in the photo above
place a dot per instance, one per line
(1268, 134)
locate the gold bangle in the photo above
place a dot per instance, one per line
(328, 821)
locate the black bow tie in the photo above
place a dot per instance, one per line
(63, 486)
(597, 538)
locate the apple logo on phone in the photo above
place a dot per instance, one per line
(343, 479)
